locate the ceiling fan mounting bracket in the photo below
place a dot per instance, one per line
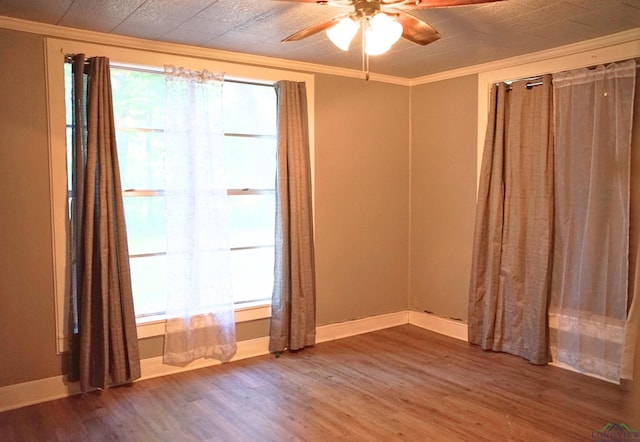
(366, 8)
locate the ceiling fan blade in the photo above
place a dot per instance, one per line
(314, 29)
(414, 29)
(424, 4)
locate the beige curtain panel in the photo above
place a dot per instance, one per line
(104, 345)
(513, 233)
(293, 311)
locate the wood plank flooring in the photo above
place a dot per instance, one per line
(402, 383)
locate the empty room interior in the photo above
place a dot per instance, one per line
(424, 222)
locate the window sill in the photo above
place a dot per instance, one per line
(154, 326)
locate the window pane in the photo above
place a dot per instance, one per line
(251, 162)
(144, 216)
(69, 158)
(149, 287)
(252, 274)
(68, 81)
(251, 220)
(249, 109)
(138, 99)
(141, 159)
(68, 104)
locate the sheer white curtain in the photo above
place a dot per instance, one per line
(200, 300)
(632, 334)
(588, 307)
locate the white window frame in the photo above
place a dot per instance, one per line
(55, 51)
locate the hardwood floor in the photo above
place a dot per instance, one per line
(402, 383)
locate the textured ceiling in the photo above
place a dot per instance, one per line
(470, 34)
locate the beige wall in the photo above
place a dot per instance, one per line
(361, 197)
(27, 328)
(443, 186)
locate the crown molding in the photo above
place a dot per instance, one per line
(81, 35)
(631, 36)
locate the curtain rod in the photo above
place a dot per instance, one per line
(68, 58)
(534, 81)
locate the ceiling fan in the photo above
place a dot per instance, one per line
(382, 23)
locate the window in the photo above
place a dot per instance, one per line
(245, 67)
(250, 149)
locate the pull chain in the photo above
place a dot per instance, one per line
(365, 56)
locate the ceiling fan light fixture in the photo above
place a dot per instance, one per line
(381, 33)
(342, 33)
(381, 23)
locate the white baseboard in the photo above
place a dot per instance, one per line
(42, 390)
(434, 323)
(154, 367)
(48, 389)
(568, 367)
(34, 392)
(345, 329)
